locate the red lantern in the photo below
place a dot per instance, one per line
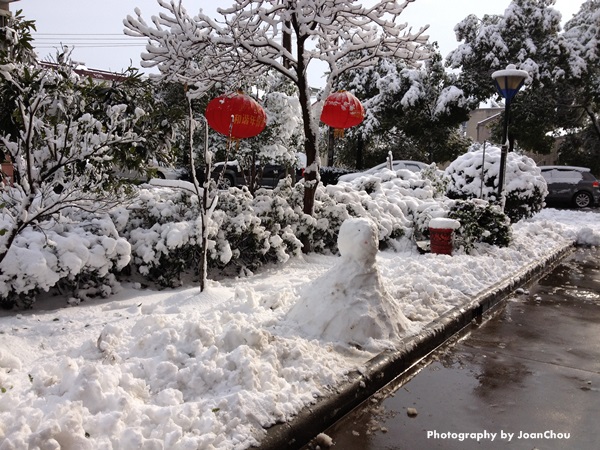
(342, 110)
(249, 118)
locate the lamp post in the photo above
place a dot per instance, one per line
(508, 82)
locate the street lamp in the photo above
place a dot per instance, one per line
(508, 82)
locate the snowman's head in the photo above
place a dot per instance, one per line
(358, 240)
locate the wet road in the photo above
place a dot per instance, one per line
(528, 377)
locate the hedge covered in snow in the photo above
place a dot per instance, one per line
(157, 236)
(476, 174)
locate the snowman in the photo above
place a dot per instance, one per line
(349, 303)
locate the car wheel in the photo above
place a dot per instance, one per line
(160, 175)
(226, 182)
(582, 199)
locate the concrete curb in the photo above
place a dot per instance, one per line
(390, 364)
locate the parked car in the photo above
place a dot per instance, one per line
(159, 169)
(572, 185)
(413, 166)
(268, 175)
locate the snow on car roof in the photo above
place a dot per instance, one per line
(581, 169)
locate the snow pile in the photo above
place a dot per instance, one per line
(76, 248)
(350, 303)
(168, 374)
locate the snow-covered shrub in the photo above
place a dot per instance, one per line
(320, 228)
(78, 255)
(439, 180)
(475, 175)
(480, 222)
(280, 213)
(400, 203)
(525, 193)
(246, 227)
(335, 203)
(164, 229)
(162, 226)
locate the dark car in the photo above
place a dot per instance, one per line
(268, 175)
(572, 185)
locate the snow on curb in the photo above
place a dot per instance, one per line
(389, 364)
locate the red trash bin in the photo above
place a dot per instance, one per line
(440, 235)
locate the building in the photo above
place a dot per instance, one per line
(5, 11)
(478, 128)
(94, 74)
(480, 121)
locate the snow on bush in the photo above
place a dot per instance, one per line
(159, 232)
(401, 203)
(480, 222)
(248, 231)
(525, 188)
(164, 229)
(78, 254)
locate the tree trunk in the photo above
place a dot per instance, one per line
(330, 146)
(287, 43)
(311, 173)
(593, 120)
(360, 146)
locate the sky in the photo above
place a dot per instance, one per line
(96, 26)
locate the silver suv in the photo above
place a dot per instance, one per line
(569, 184)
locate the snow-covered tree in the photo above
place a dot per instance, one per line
(64, 135)
(414, 112)
(285, 35)
(528, 35)
(579, 103)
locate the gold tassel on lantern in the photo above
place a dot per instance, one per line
(338, 133)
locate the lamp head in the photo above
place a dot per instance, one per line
(509, 81)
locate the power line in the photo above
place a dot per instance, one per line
(48, 42)
(51, 46)
(86, 40)
(86, 34)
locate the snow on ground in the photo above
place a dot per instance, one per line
(182, 369)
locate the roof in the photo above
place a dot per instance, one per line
(96, 74)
